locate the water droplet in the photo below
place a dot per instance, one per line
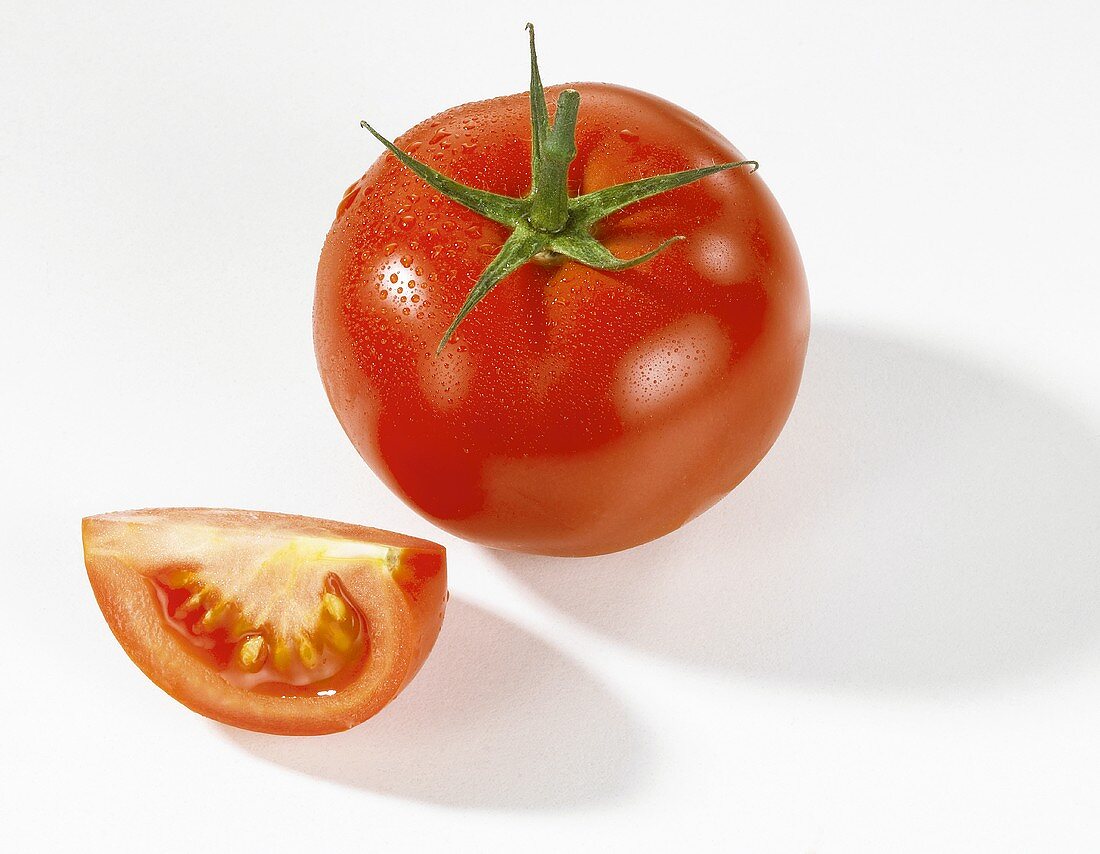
(350, 194)
(628, 135)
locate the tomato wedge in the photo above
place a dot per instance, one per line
(265, 621)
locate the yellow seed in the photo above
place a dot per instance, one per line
(213, 618)
(251, 653)
(189, 604)
(334, 606)
(307, 652)
(182, 578)
(281, 657)
(240, 627)
(336, 636)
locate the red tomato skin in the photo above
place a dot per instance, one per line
(575, 412)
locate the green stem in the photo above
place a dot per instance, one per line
(540, 120)
(550, 196)
(517, 250)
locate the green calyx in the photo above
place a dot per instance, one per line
(548, 221)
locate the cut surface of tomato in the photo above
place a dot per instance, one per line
(265, 621)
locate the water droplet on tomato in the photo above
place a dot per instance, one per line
(350, 195)
(628, 135)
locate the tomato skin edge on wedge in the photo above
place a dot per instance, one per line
(265, 621)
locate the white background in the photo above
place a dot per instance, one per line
(886, 640)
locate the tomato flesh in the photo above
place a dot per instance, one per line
(269, 622)
(321, 659)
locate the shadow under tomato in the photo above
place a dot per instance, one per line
(497, 719)
(923, 522)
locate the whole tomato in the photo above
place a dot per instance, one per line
(586, 404)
